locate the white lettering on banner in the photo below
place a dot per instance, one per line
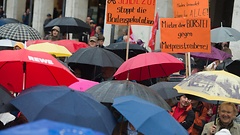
(41, 60)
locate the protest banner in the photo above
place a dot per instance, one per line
(190, 8)
(130, 12)
(179, 35)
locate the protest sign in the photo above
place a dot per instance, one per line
(130, 12)
(190, 8)
(179, 35)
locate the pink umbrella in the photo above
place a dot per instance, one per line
(82, 84)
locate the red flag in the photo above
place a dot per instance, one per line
(152, 40)
(132, 38)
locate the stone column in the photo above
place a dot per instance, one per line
(77, 9)
(41, 9)
(15, 9)
(235, 46)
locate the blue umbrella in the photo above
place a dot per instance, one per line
(148, 118)
(48, 127)
(60, 103)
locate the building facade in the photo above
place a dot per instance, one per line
(221, 11)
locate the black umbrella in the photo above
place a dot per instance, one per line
(108, 90)
(5, 98)
(165, 89)
(120, 49)
(8, 20)
(60, 103)
(182, 58)
(223, 64)
(95, 56)
(68, 25)
(19, 32)
(233, 67)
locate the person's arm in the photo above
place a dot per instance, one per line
(187, 123)
(201, 120)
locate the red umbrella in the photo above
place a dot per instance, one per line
(71, 45)
(31, 42)
(148, 65)
(20, 69)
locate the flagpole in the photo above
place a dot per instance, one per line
(127, 47)
(186, 65)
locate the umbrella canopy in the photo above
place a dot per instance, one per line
(24, 69)
(54, 49)
(148, 65)
(83, 84)
(95, 56)
(30, 42)
(233, 67)
(212, 85)
(165, 89)
(5, 98)
(223, 64)
(7, 43)
(48, 127)
(148, 118)
(224, 34)
(181, 57)
(108, 90)
(215, 54)
(60, 103)
(120, 49)
(8, 20)
(19, 32)
(68, 25)
(71, 45)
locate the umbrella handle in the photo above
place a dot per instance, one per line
(216, 116)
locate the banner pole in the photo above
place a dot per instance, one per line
(128, 37)
(186, 65)
(189, 64)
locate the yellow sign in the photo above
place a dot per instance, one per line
(130, 12)
(179, 35)
(190, 8)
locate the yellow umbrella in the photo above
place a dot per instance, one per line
(54, 49)
(212, 85)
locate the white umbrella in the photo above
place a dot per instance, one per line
(224, 34)
(6, 117)
(7, 43)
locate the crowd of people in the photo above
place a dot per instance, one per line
(197, 117)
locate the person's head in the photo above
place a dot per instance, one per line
(101, 39)
(18, 46)
(1, 8)
(227, 112)
(88, 19)
(28, 10)
(49, 16)
(108, 72)
(77, 72)
(184, 101)
(92, 41)
(140, 42)
(92, 24)
(125, 32)
(55, 31)
(98, 29)
(225, 44)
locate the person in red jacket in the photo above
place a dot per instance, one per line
(183, 113)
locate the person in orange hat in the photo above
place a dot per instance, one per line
(18, 46)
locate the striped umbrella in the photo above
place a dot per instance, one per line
(19, 32)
